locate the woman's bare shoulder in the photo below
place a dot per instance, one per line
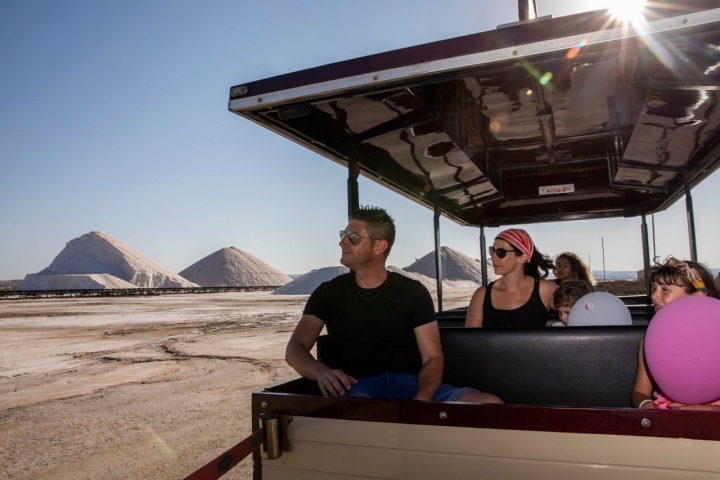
(479, 293)
(548, 285)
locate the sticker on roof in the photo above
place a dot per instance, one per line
(555, 189)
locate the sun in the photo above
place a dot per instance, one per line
(627, 10)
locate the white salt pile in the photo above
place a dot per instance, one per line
(92, 281)
(458, 270)
(116, 263)
(10, 284)
(307, 283)
(231, 267)
(428, 282)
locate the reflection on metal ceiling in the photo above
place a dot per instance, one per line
(605, 128)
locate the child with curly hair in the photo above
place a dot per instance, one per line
(671, 281)
(567, 294)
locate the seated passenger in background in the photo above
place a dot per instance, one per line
(565, 297)
(569, 266)
(521, 297)
(671, 281)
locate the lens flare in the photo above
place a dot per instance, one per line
(494, 126)
(528, 92)
(573, 52)
(545, 78)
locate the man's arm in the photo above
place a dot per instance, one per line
(433, 360)
(297, 354)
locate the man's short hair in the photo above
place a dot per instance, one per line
(380, 225)
(570, 292)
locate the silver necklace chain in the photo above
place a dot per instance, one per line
(382, 287)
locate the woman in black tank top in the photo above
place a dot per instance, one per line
(521, 297)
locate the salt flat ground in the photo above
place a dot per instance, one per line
(138, 387)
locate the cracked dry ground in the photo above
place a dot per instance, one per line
(121, 388)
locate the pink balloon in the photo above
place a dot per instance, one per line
(682, 350)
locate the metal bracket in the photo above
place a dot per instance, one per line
(276, 438)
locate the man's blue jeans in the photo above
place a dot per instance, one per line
(401, 386)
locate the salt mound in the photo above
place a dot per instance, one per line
(456, 267)
(431, 284)
(10, 284)
(97, 253)
(465, 273)
(307, 283)
(231, 267)
(428, 282)
(93, 281)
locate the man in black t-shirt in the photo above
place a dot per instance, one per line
(383, 337)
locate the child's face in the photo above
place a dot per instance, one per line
(564, 313)
(664, 294)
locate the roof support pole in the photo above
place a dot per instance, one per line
(353, 196)
(646, 253)
(691, 223)
(483, 256)
(527, 9)
(438, 263)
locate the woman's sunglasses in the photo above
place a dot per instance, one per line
(501, 252)
(353, 237)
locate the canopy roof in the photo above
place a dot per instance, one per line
(552, 119)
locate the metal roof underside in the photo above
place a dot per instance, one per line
(488, 126)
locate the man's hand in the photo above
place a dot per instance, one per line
(423, 397)
(334, 383)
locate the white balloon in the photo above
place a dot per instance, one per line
(599, 308)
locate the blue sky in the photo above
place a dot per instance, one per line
(113, 117)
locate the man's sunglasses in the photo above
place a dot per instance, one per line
(501, 252)
(354, 237)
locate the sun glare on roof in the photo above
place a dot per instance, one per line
(627, 10)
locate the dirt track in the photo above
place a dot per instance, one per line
(127, 388)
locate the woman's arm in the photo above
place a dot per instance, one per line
(642, 390)
(682, 406)
(547, 288)
(475, 310)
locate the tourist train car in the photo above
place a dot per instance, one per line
(579, 117)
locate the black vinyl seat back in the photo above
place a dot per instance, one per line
(574, 367)
(578, 367)
(641, 315)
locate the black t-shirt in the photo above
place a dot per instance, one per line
(371, 330)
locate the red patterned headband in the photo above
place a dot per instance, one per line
(519, 239)
(688, 272)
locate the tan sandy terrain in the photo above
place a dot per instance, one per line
(138, 387)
